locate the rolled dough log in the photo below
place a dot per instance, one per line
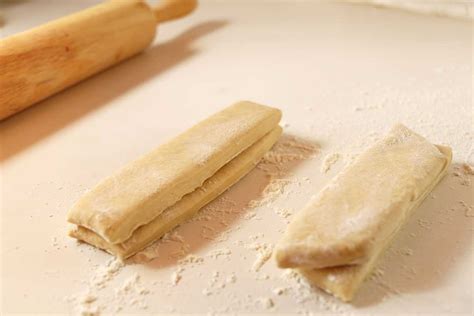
(188, 205)
(365, 204)
(344, 281)
(143, 189)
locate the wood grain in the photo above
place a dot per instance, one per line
(45, 60)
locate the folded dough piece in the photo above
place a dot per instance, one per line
(364, 205)
(344, 281)
(143, 189)
(188, 205)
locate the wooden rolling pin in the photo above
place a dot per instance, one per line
(47, 59)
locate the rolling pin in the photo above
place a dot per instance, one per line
(47, 59)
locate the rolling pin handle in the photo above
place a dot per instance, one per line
(167, 10)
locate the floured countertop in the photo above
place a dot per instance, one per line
(342, 75)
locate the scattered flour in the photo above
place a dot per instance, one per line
(89, 311)
(463, 172)
(176, 276)
(91, 302)
(220, 253)
(131, 292)
(303, 292)
(378, 278)
(231, 279)
(88, 298)
(424, 224)
(468, 209)
(255, 237)
(406, 252)
(276, 163)
(210, 220)
(280, 290)
(288, 149)
(274, 189)
(250, 214)
(106, 273)
(266, 302)
(284, 213)
(262, 277)
(215, 219)
(468, 169)
(174, 236)
(218, 282)
(378, 272)
(190, 261)
(329, 161)
(264, 252)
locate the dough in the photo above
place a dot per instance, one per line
(344, 281)
(364, 205)
(143, 189)
(188, 205)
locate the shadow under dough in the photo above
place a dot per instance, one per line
(43, 119)
(426, 251)
(220, 216)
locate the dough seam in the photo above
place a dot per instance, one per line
(343, 282)
(144, 188)
(184, 209)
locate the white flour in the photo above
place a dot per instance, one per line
(276, 164)
(215, 225)
(329, 161)
(86, 303)
(342, 74)
(264, 252)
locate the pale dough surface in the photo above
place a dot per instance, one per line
(344, 281)
(144, 188)
(364, 204)
(188, 205)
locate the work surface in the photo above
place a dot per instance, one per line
(342, 75)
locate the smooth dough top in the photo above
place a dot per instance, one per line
(362, 204)
(141, 190)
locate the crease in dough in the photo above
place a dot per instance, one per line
(363, 205)
(144, 188)
(188, 206)
(344, 281)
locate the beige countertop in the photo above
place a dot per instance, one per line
(342, 75)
